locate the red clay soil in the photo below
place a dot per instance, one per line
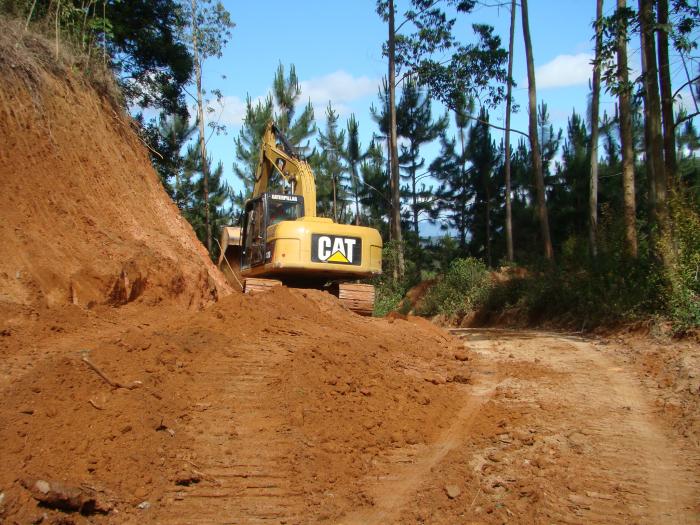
(272, 406)
(84, 218)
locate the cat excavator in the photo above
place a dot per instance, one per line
(281, 241)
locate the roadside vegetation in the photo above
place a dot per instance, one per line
(577, 292)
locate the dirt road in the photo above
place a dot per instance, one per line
(554, 430)
(548, 429)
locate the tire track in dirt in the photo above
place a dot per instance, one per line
(610, 459)
(243, 446)
(404, 470)
(634, 447)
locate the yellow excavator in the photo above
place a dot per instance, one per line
(282, 242)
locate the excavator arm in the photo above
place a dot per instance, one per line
(276, 155)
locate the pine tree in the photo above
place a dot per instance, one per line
(168, 138)
(353, 157)
(455, 192)
(332, 144)
(286, 92)
(218, 192)
(285, 96)
(568, 196)
(247, 144)
(481, 153)
(375, 194)
(415, 123)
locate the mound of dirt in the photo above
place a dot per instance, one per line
(83, 217)
(271, 402)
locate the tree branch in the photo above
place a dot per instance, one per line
(689, 82)
(685, 118)
(396, 31)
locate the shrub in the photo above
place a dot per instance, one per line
(463, 287)
(390, 291)
(683, 255)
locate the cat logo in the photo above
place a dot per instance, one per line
(336, 249)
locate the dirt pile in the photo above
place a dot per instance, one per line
(273, 402)
(83, 216)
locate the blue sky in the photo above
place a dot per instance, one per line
(336, 48)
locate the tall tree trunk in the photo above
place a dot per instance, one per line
(509, 212)
(595, 105)
(200, 118)
(462, 218)
(357, 198)
(335, 201)
(651, 201)
(394, 150)
(534, 141)
(415, 199)
(652, 111)
(488, 224)
(627, 143)
(669, 136)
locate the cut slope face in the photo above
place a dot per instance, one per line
(83, 216)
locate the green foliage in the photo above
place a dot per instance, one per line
(191, 195)
(247, 144)
(285, 96)
(286, 92)
(374, 190)
(353, 156)
(415, 123)
(464, 287)
(389, 291)
(684, 271)
(581, 292)
(139, 40)
(168, 137)
(331, 176)
(389, 295)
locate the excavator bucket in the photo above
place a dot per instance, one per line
(230, 257)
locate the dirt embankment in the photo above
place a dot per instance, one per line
(83, 216)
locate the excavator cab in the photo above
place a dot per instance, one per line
(260, 213)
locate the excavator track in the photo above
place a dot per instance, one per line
(358, 298)
(253, 285)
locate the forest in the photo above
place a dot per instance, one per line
(593, 224)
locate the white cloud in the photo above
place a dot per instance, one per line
(233, 111)
(340, 87)
(564, 70)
